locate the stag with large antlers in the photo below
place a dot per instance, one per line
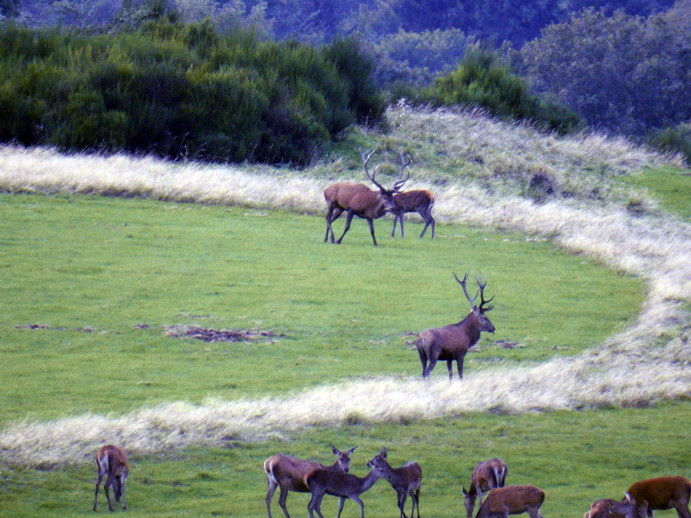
(356, 199)
(290, 474)
(453, 341)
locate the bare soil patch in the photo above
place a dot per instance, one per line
(222, 335)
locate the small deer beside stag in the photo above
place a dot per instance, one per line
(405, 480)
(646, 496)
(420, 201)
(113, 464)
(342, 485)
(487, 475)
(356, 199)
(508, 500)
(602, 509)
(290, 473)
(453, 341)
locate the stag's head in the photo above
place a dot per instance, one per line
(387, 195)
(379, 465)
(478, 311)
(343, 457)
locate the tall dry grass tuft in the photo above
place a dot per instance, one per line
(647, 362)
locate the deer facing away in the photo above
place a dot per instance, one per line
(453, 341)
(486, 475)
(113, 464)
(289, 474)
(645, 496)
(405, 480)
(356, 199)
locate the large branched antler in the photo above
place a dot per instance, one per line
(366, 158)
(481, 292)
(406, 160)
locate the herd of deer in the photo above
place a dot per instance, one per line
(449, 343)
(306, 476)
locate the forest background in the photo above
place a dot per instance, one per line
(140, 75)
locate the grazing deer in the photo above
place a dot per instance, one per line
(602, 509)
(420, 201)
(453, 341)
(113, 464)
(508, 500)
(405, 480)
(342, 485)
(646, 496)
(289, 474)
(487, 475)
(357, 199)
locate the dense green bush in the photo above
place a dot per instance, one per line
(181, 90)
(483, 78)
(675, 139)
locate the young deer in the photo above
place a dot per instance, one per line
(602, 509)
(420, 201)
(487, 475)
(342, 485)
(405, 480)
(453, 341)
(113, 464)
(289, 474)
(508, 500)
(357, 199)
(646, 496)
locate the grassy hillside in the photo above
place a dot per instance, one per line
(591, 297)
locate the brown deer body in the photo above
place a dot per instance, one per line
(112, 463)
(342, 485)
(405, 480)
(646, 496)
(356, 199)
(453, 341)
(602, 509)
(487, 475)
(508, 500)
(289, 474)
(420, 201)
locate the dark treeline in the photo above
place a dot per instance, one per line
(181, 90)
(619, 66)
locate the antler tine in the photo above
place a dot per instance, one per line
(482, 285)
(366, 158)
(406, 160)
(465, 290)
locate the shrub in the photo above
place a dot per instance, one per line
(675, 139)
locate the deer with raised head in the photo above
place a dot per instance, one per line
(405, 480)
(289, 474)
(356, 199)
(602, 509)
(508, 500)
(342, 485)
(453, 341)
(486, 475)
(646, 496)
(113, 464)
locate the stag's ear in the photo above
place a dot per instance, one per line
(627, 497)
(351, 450)
(335, 450)
(382, 453)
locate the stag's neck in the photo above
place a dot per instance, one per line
(470, 325)
(369, 480)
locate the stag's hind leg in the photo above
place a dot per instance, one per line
(349, 219)
(426, 214)
(332, 215)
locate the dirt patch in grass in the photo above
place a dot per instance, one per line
(222, 335)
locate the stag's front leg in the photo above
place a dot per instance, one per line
(449, 367)
(341, 502)
(370, 222)
(459, 362)
(349, 219)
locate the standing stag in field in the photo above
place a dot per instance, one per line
(453, 341)
(405, 480)
(112, 463)
(508, 500)
(357, 199)
(487, 475)
(342, 485)
(290, 473)
(646, 496)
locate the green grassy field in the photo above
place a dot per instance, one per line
(102, 278)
